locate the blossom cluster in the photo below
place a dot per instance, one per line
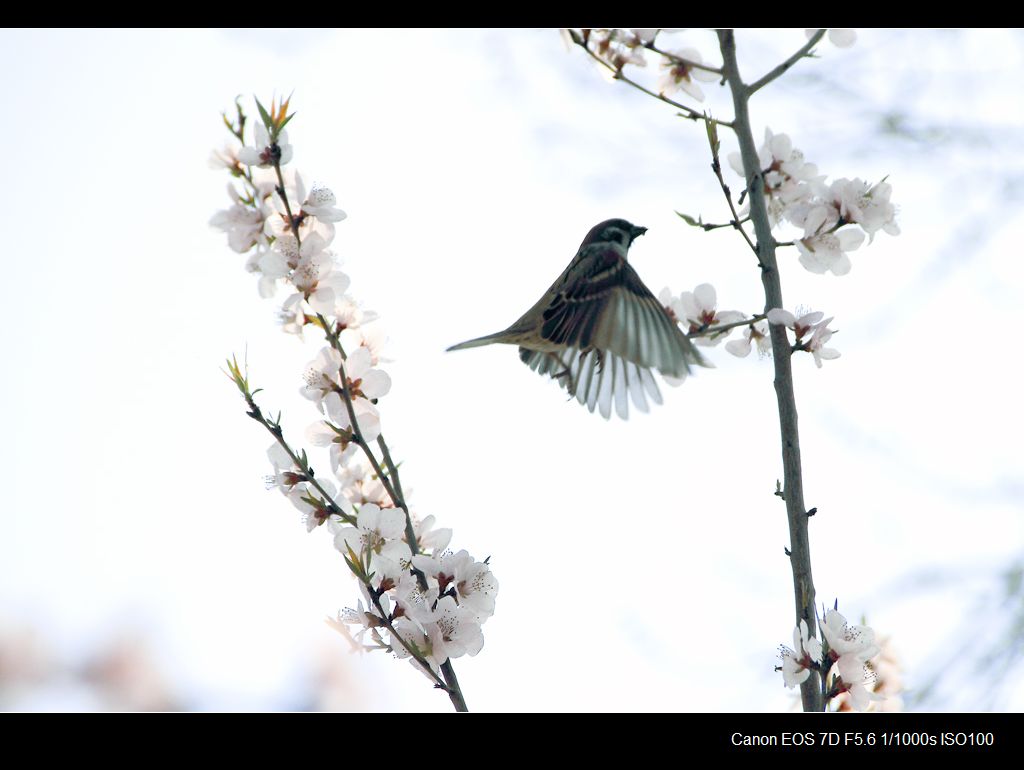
(422, 601)
(885, 678)
(834, 218)
(697, 313)
(810, 330)
(843, 658)
(680, 67)
(613, 49)
(428, 605)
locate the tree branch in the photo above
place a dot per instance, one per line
(650, 46)
(805, 50)
(712, 331)
(689, 112)
(800, 555)
(390, 484)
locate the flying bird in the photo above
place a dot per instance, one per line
(599, 330)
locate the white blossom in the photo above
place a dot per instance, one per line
(317, 512)
(799, 326)
(756, 333)
(431, 540)
(378, 534)
(469, 582)
(416, 603)
(324, 434)
(224, 159)
(361, 486)
(680, 75)
(414, 635)
(281, 223)
(616, 47)
(243, 223)
(320, 204)
(789, 181)
(816, 344)
(320, 283)
(826, 252)
(797, 662)
(322, 376)
(260, 153)
(365, 384)
(850, 647)
(696, 311)
(867, 206)
(861, 697)
(454, 630)
(362, 619)
(286, 473)
(840, 38)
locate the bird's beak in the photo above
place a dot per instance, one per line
(637, 232)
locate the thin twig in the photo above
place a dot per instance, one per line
(417, 656)
(690, 113)
(292, 224)
(708, 227)
(712, 331)
(357, 434)
(392, 468)
(805, 50)
(277, 433)
(650, 46)
(716, 166)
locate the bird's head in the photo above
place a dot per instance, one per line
(618, 233)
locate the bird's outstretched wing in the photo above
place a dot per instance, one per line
(609, 309)
(597, 380)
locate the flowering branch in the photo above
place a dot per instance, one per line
(780, 186)
(357, 433)
(332, 337)
(440, 599)
(582, 40)
(393, 485)
(650, 46)
(293, 223)
(384, 618)
(393, 473)
(716, 167)
(274, 428)
(709, 226)
(793, 494)
(714, 331)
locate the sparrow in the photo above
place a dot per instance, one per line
(599, 330)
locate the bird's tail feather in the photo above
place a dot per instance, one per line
(487, 340)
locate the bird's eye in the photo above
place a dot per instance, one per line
(614, 234)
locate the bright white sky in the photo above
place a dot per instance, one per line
(641, 563)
